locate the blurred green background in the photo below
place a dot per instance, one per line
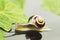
(11, 11)
(52, 5)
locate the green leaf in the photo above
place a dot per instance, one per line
(1, 35)
(11, 11)
(52, 5)
(1, 5)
